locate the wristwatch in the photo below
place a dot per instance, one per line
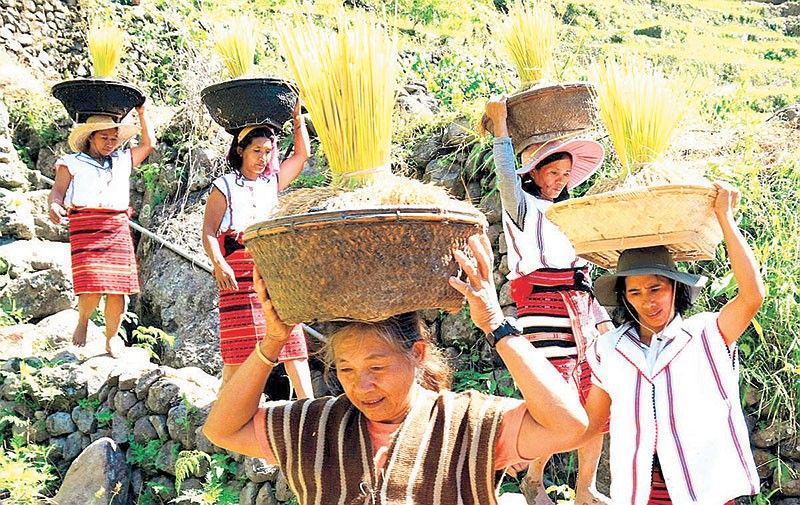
(507, 327)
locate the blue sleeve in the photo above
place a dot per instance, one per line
(511, 196)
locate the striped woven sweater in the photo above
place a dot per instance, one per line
(442, 453)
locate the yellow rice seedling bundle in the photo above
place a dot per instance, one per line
(641, 110)
(105, 42)
(347, 80)
(529, 36)
(236, 45)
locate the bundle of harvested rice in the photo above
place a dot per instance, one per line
(529, 38)
(347, 79)
(105, 41)
(236, 45)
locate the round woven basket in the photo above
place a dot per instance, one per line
(544, 113)
(680, 217)
(86, 97)
(364, 264)
(237, 103)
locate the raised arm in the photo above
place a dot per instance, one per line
(555, 419)
(293, 165)
(737, 314)
(146, 143)
(230, 423)
(505, 161)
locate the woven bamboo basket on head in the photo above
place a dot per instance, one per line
(362, 264)
(547, 112)
(680, 217)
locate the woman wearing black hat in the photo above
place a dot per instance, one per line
(671, 385)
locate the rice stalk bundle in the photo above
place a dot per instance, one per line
(236, 45)
(105, 41)
(529, 37)
(347, 80)
(641, 110)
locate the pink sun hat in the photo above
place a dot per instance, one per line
(587, 156)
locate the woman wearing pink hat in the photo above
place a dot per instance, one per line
(550, 285)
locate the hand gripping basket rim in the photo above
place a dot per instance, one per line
(361, 264)
(691, 232)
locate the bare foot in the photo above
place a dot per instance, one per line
(79, 336)
(115, 346)
(534, 492)
(591, 497)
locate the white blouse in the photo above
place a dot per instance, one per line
(94, 184)
(248, 201)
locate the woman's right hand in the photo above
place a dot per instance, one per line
(226, 279)
(497, 111)
(57, 213)
(484, 308)
(277, 330)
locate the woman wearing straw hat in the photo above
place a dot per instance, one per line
(92, 189)
(550, 285)
(245, 196)
(397, 435)
(659, 373)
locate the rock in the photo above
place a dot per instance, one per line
(182, 421)
(790, 488)
(60, 423)
(43, 227)
(416, 105)
(84, 420)
(16, 215)
(266, 496)
(18, 340)
(202, 443)
(258, 471)
(282, 491)
(163, 395)
(101, 433)
(48, 156)
(789, 115)
(160, 425)
(491, 206)
(120, 429)
(445, 172)
(137, 411)
(503, 267)
(763, 459)
(201, 164)
(74, 444)
(772, 434)
(41, 294)
(505, 295)
(792, 26)
(167, 456)
(143, 431)
(30, 255)
(69, 382)
(502, 247)
(100, 466)
(426, 151)
(56, 445)
(456, 328)
(123, 401)
(458, 133)
(247, 496)
(791, 448)
(146, 381)
(655, 32)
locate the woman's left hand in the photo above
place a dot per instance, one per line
(479, 289)
(277, 330)
(727, 200)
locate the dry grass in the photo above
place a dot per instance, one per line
(236, 45)
(529, 37)
(105, 41)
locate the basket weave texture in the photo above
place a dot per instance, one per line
(680, 217)
(237, 103)
(545, 113)
(364, 264)
(86, 97)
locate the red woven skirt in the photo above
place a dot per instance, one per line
(241, 321)
(103, 259)
(658, 489)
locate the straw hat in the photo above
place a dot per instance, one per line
(645, 261)
(80, 133)
(587, 156)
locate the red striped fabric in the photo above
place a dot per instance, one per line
(659, 495)
(103, 259)
(241, 321)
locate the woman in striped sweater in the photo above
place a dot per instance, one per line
(397, 435)
(550, 285)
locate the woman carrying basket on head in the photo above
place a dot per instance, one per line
(245, 196)
(92, 190)
(550, 285)
(670, 385)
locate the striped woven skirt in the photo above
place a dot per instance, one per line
(658, 488)
(241, 321)
(103, 259)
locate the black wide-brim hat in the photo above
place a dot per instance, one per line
(645, 261)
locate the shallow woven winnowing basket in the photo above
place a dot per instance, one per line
(544, 113)
(680, 217)
(364, 264)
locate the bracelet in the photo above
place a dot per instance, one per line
(263, 358)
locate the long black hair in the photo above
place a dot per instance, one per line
(528, 184)
(625, 313)
(234, 158)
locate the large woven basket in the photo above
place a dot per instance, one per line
(86, 97)
(364, 264)
(544, 113)
(238, 103)
(680, 217)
